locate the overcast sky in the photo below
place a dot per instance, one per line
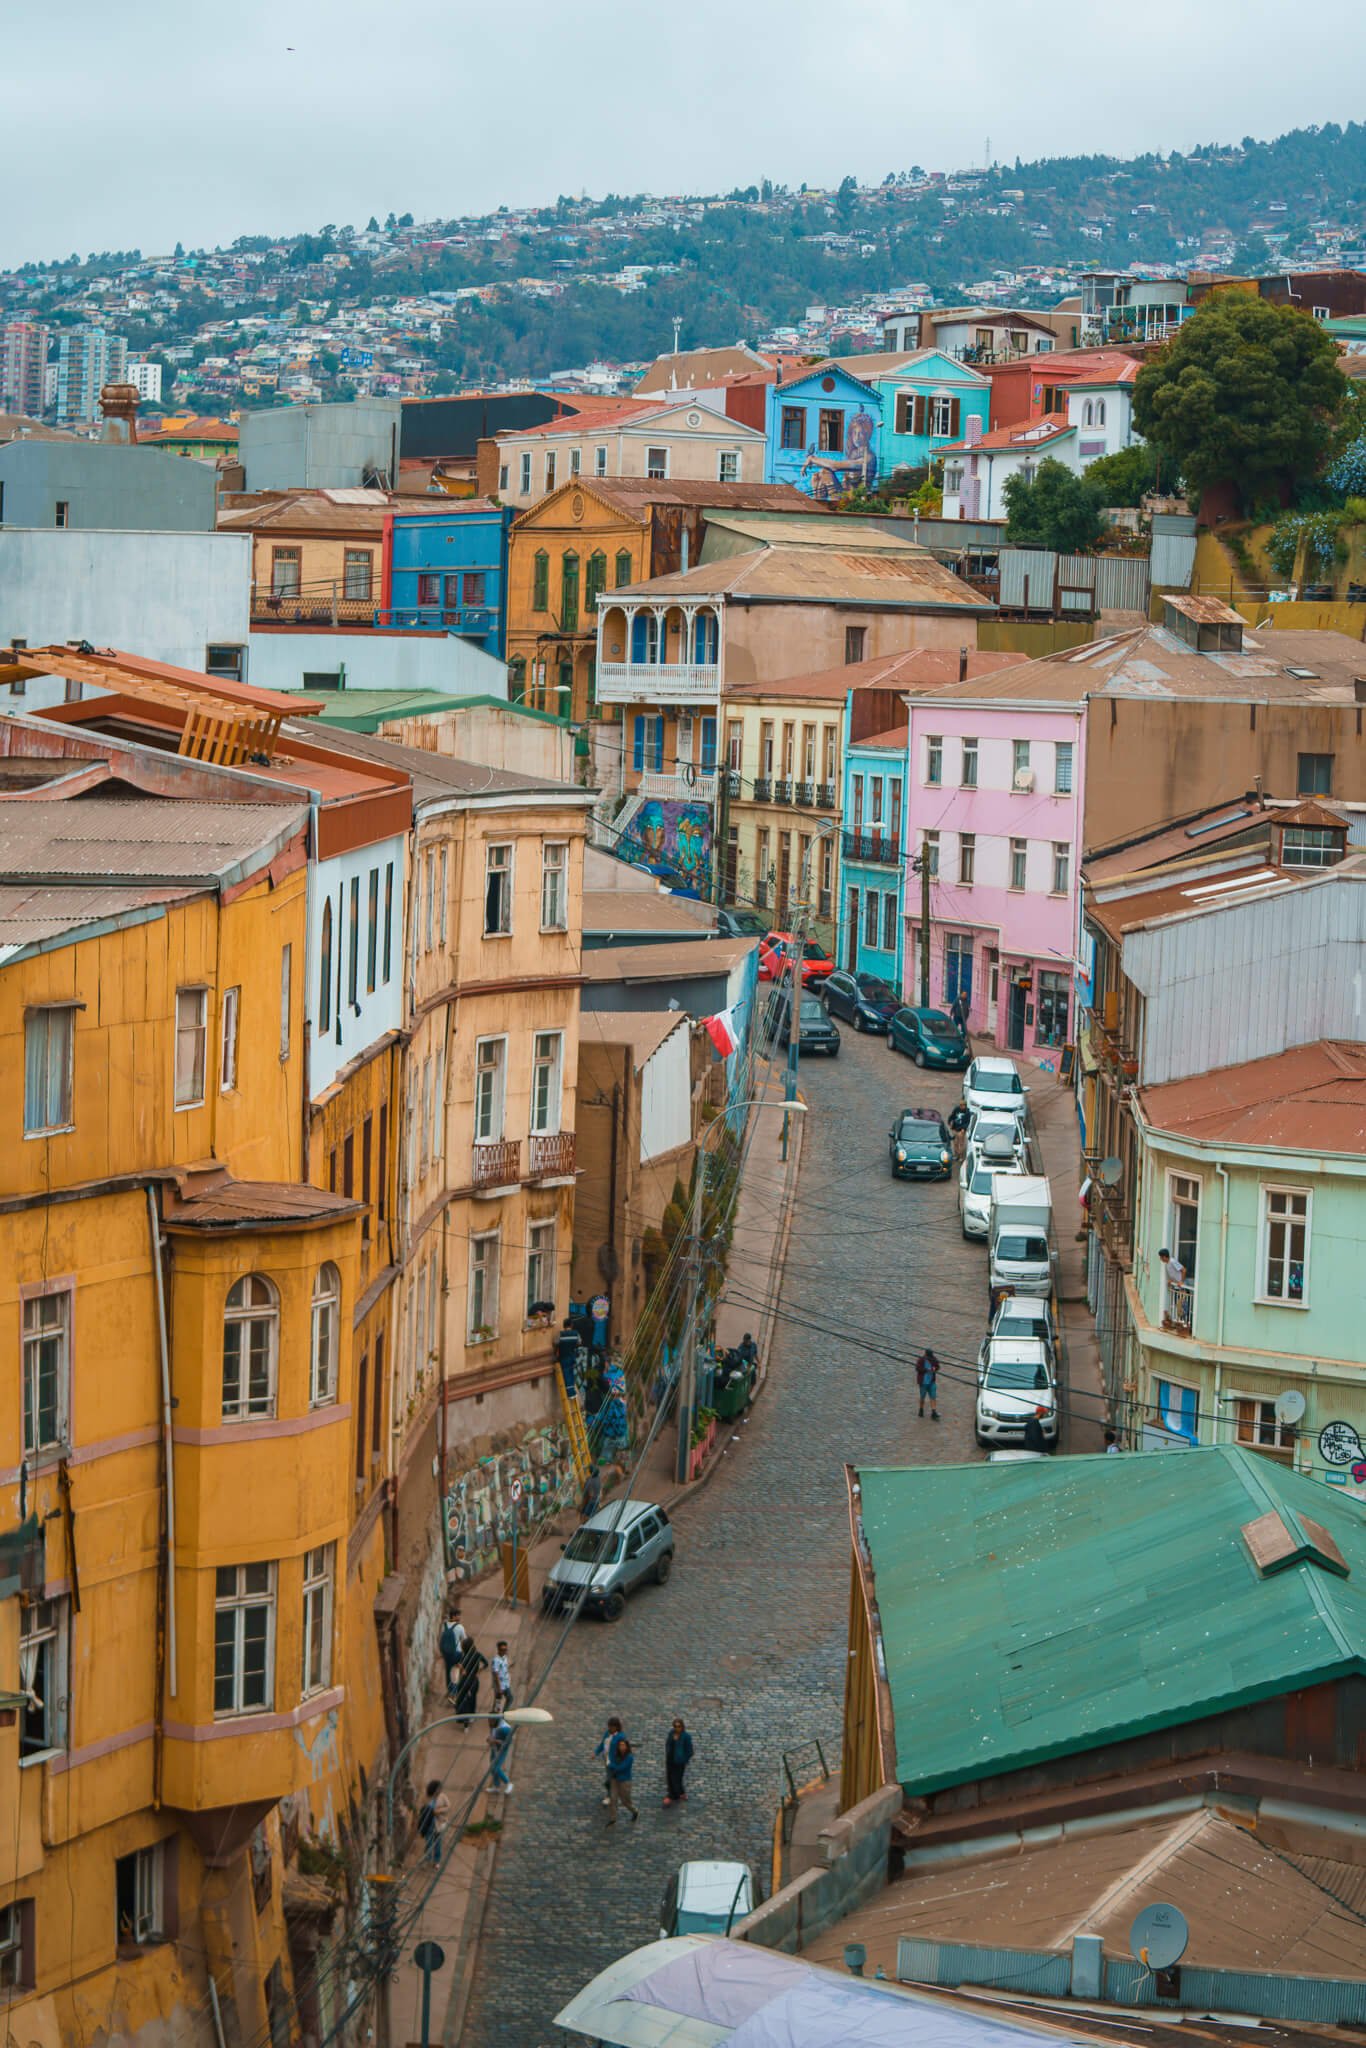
(155, 121)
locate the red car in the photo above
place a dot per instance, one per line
(776, 954)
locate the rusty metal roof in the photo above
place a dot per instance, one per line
(31, 914)
(95, 841)
(918, 668)
(644, 1031)
(1207, 611)
(247, 1204)
(1312, 1099)
(911, 580)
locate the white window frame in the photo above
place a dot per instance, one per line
(1263, 1296)
(320, 1571)
(599, 462)
(324, 1335)
(940, 412)
(191, 1023)
(547, 1057)
(1062, 767)
(969, 754)
(526, 474)
(575, 462)
(495, 1095)
(242, 1600)
(507, 868)
(656, 474)
(1019, 759)
(45, 1622)
(967, 860)
(540, 1260)
(934, 760)
(56, 1046)
(554, 885)
(149, 1897)
(485, 1261)
(1284, 1434)
(1019, 864)
(1062, 867)
(728, 466)
(46, 1316)
(249, 1407)
(227, 1040)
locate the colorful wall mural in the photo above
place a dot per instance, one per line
(823, 432)
(673, 838)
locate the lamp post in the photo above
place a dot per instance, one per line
(687, 1386)
(516, 1717)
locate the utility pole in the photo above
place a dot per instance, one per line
(721, 844)
(924, 920)
(687, 1376)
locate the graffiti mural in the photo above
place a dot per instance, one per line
(829, 474)
(513, 1488)
(673, 839)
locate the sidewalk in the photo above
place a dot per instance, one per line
(1054, 1111)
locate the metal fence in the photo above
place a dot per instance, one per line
(1040, 580)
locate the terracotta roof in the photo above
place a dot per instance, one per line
(1310, 1099)
(918, 668)
(435, 777)
(911, 580)
(644, 1031)
(1206, 611)
(624, 412)
(248, 1204)
(317, 512)
(885, 741)
(1024, 435)
(191, 430)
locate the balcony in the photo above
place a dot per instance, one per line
(695, 785)
(763, 789)
(497, 1166)
(552, 1155)
(806, 793)
(782, 792)
(874, 847)
(825, 796)
(659, 682)
(735, 783)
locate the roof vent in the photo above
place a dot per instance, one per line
(1274, 1545)
(1205, 623)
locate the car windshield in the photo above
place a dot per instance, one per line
(811, 1011)
(593, 1546)
(873, 990)
(1017, 1373)
(924, 1137)
(811, 951)
(747, 921)
(941, 1027)
(990, 1083)
(981, 1181)
(1029, 1248)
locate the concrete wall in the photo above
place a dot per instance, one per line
(320, 447)
(763, 643)
(168, 596)
(494, 736)
(106, 484)
(374, 659)
(852, 1869)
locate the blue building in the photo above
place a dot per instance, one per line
(446, 570)
(871, 930)
(822, 432)
(924, 400)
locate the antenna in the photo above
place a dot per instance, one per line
(678, 328)
(1111, 1172)
(1158, 1937)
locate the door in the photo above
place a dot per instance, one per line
(957, 966)
(851, 934)
(1015, 1023)
(993, 988)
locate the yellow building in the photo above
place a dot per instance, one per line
(317, 556)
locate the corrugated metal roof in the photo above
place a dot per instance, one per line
(435, 776)
(1312, 1097)
(97, 839)
(644, 1031)
(665, 963)
(635, 910)
(232, 1204)
(1032, 1611)
(30, 915)
(820, 575)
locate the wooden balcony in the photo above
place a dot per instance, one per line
(552, 1155)
(497, 1165)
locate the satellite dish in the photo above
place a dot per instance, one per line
(1110, 1171)
(1159, 1936)
(1290, 1405)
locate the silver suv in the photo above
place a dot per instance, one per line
(615, 1550)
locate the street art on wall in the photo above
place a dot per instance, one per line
(832, 474)
(672, 838)
(516, 1487)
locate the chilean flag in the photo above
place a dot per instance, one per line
(722, 1033)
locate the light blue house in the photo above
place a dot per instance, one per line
(925, 400)
(871, 927)
(823, 431)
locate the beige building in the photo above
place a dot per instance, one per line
(666, 441)
(316, 556)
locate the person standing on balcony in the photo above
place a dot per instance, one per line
(1176, 1288)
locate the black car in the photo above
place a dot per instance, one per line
(740, 924)
(816, 1032)
(862, 998)
(919, 1146)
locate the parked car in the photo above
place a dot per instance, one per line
(707, 1898)
(992, 1083)
(817, 1033)
(740, 924)
(611, 1555)
(1015, 1384)
(920, 1146)
(1023, 1315)
(975, 1176)
(777, 950)
(1001, 1139)
(867, 1002)
(931, 1037)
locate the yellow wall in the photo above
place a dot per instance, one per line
(556, 527)
(322, 563)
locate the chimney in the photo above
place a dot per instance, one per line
(1359, 689)
(962, 664)
(119, 406)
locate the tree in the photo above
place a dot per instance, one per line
(372, 226)
(1058, 509)
(1125, 477)
(1247, 395)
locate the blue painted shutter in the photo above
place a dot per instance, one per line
(708, 745)
(638, 637)
(659, 744)
(638, 742)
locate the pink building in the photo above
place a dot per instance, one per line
(994, 797)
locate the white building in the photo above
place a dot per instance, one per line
(1099, 421)
(147, 376)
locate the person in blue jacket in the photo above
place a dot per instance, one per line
(677, 1757)
(619, 1758)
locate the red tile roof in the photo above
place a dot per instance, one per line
(1024, 434)
(623, 412)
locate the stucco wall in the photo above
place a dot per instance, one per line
(106, 484)
(167, 596)
(281, 656)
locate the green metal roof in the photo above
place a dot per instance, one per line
(1033, 1610)
(368, 710)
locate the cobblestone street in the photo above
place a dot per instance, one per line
(747, 1642)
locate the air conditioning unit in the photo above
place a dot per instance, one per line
(1024, 779)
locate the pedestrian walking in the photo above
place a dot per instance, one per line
(959, 1119)
(677, 1757)
(619, 1759)
(472, 1662)
(1112, 1449)
(451, 1643)
(1034, 1439)
(927, 1379)
(959, 1009)
(501, 1668)
(500, 1735)
(432, 1816)
(591, 1496)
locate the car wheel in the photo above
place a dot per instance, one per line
(919, 1057)
(663, 1568)
(612, 1606)
(857, 1021)
(891, 1041)
(834, 1051)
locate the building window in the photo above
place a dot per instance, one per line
(483, 1288)
(251, 1327)
(1178, 1409)
(284, 572)
(594, 581)
(888, 923)
(442, 896)
(943, 416)
(1315, 775)
(322, 1378)
(372, 932)
(967, 858)
(647, 741)
(657, 463)
(546, 1067)
(953, 479)
(473, 588)
(229, 663)
(227, 1040)
(575, 461)
(931, 852)
(1310, 846)
(49, 1046)
(792, 427)
(1285, 1245)
(497, 891)
(969, 775)
(728, 467)
(243, 1638)
(61, 512)
(1062, 768)
(599, 462)
(1020, 761)
(1051, 1008)
(934, 760)
(540, 1266)
(1019, 854)
(540, 581)
(42, 1675)
(490, 1067)
(287, 994)
(357, 572)
(429, 590)
(16, 1946)
(1255, 1423)
(855, 642)
(550, 470)
(554, 858)
(388, 913)
(325, 969)
(139, 1897)
(47, 1369)
(319, 1570)
(526, 475)
(191, 1045)
(870, 917)
(569, 592)
(502, 476)
(1062, 867)
(624, 569)
(830, 432)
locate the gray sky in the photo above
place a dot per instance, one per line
(157, 121)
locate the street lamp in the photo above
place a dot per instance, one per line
(516, 1717)
(687, 1389)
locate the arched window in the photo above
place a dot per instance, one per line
(705, 638)
(569, 592)
(325, 971)
(517, 679)
(624, 570)
(1089, 414)
(322, 1376)
(251, 1332)
(1100, 412)
(595, 581)
(540, 582)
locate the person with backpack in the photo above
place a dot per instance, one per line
(619, 1759)
(451, 1644)
(927, 1379)
(432, 1816)
(500, 1735)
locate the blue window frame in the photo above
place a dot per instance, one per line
(647, 738)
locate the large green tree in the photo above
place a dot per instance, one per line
(1056, 509)
(1247, 395)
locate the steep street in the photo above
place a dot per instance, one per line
(747, 1642)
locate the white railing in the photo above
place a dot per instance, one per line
(658, 682)
(688, 783)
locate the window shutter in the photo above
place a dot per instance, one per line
(955, 414)
(638, 742)
(659, 745)
(920, 410)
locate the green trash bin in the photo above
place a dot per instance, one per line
(732, 1389)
